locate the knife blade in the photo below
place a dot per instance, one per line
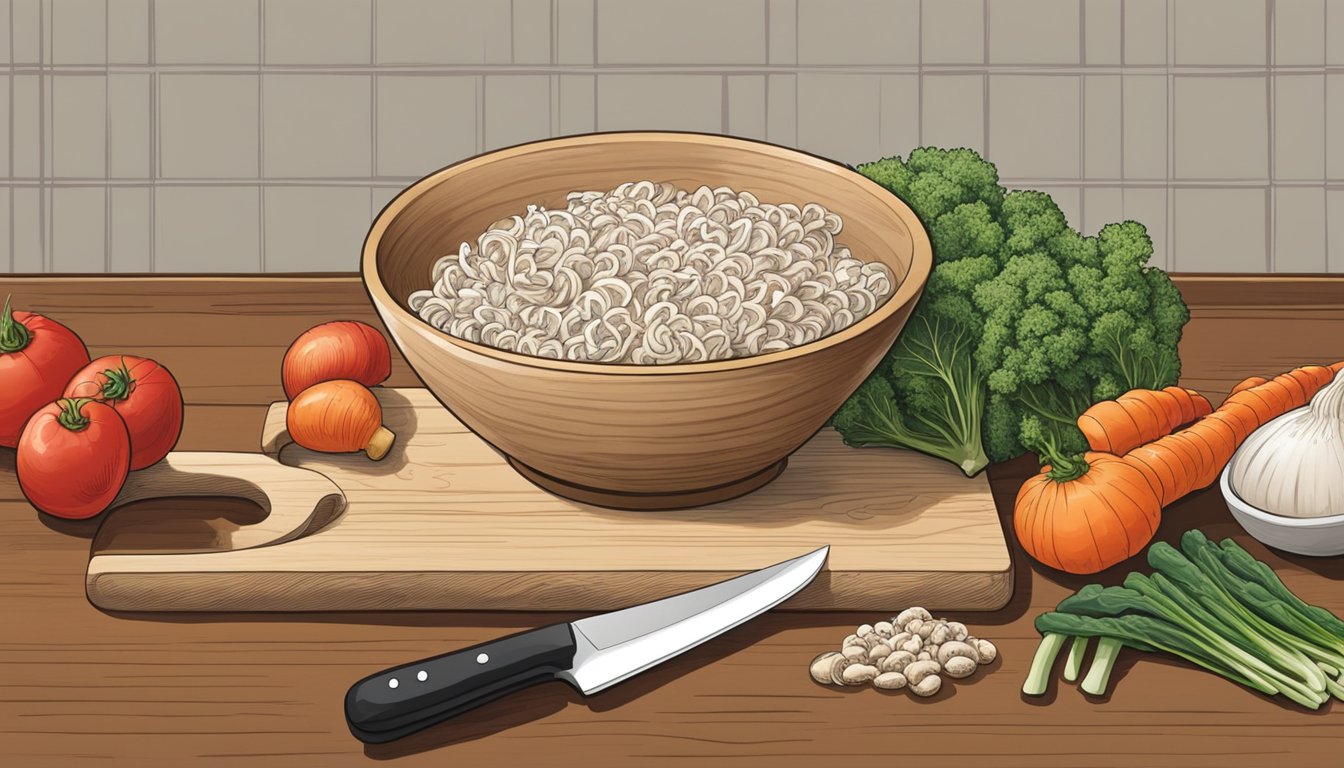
(590, 654)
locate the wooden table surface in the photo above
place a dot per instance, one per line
(81, 686)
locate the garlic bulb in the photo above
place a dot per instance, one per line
(1294, 465)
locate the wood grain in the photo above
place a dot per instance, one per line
(82, 687)
(295, 501)
(444, 523)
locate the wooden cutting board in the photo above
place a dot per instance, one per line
(444, 523)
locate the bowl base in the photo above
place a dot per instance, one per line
(649, 501)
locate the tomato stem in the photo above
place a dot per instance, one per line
(13, 336)
(70, 416)
(119, 382)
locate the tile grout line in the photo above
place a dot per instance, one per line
(984, 89)
(879, 115)
(1082, 33)
(1271, 107)
(261, 136)
(373, 97)
(44, 125)
(723, 104)
(153, 56)
(593, 5)
(919, 80)
(1168, 198)
(13, 258)
(1082, 114)
(107, 137)
(1325, 132)
(439, 70)
(31, 182)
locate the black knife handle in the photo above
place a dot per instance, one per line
(404, 699)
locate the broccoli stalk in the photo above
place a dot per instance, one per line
(942, 388)
(929, 393)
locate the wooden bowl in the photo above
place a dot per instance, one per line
(631, 436)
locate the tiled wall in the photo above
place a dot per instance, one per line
(262, 135)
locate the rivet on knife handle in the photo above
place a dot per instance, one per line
(404, 699)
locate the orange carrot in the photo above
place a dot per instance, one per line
(1184, 401)
(1145, 415)
(1247, 383)
(1313, 377)
(1139, 416)
(1109, 425)
(1095, 520)
(1276, 393)
(1216, 430)
(1253, 400)
(1086, 513)
(1168, 407)
(1162, 466)
(1202, 450)
(1297, 393)
(1240, 417)
(1202, 405)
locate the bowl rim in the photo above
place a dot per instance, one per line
(921, 263)
(1239, 505)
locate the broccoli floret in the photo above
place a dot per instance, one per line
(1023, 324)
(1135, 313)
(935, 181)
(1071, 320)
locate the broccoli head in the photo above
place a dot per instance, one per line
(1023, 323)
(1070, 320)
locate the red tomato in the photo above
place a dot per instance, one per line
(145, 395)
(74, 456)
(340, 350)
(37, 357)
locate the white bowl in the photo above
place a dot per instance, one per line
(1315, 536)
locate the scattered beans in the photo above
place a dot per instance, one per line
(959, 666)
(920, 670)
(822, 666)
(856, 674)
(957, 648)
(890, 681)
(986, 649)
(913, 650)
(928, 686)
(855, 653)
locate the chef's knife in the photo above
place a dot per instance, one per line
(590, 654)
